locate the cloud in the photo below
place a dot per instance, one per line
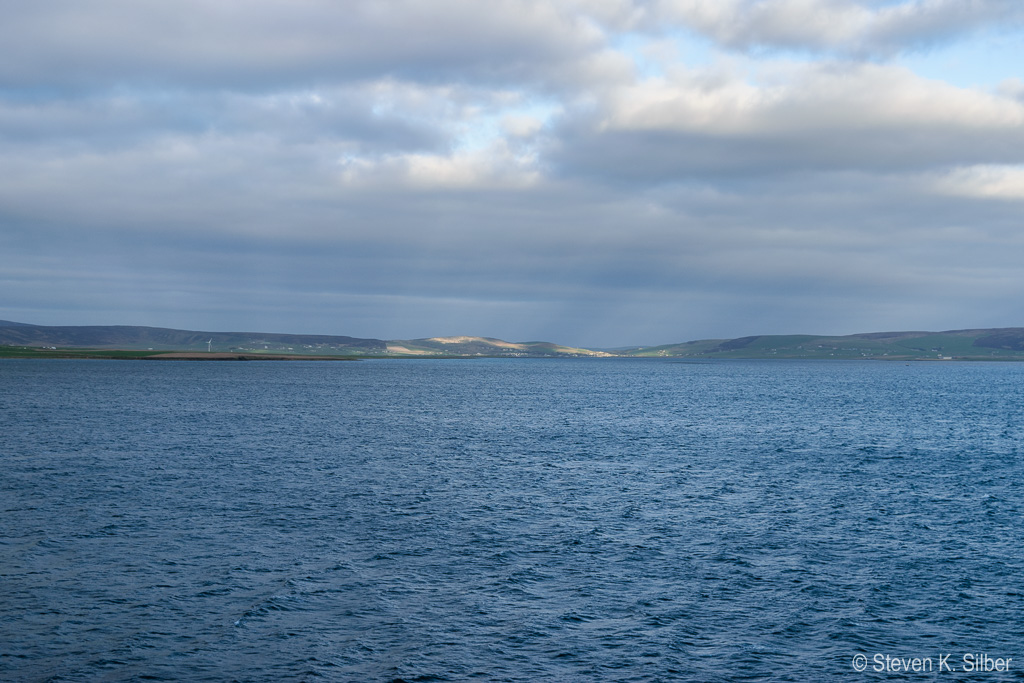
(361, 118)
(698, 123)
(493, 167)
(257, 44)
(516, 169)
(840, 26)
(985, 181)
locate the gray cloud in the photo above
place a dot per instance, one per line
(407, 169)
(577, 263)
(842, 26)
(831, 117)
(267, 43)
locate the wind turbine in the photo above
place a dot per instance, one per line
(209, 345)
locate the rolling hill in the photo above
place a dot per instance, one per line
(159, 339)
(166, 339)
(971, 344)
(981, 344)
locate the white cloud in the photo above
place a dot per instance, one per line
(1012, 87)
(844, 26)
(984, 181)
(494, 167)
(521, 126)
(716, 121)
(853, 97)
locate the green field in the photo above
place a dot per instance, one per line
(33, 352)
(128, 354)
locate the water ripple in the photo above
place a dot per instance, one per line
(506, 520)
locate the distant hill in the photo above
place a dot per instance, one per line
(985, 344)
(165, 339)
(979, 344)
(485, 346)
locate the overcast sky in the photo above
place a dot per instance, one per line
(589, 172)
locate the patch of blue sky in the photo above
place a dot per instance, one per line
(484, 130)
(478, 134)
(650, 54)
(983, 62)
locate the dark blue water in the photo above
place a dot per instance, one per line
(508, 520)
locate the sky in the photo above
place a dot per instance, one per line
(598, 173)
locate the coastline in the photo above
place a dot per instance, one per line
(186, 355)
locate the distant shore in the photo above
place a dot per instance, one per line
(15, 352)
(21, 340)
(187, 355)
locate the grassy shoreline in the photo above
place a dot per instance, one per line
(16, 352)
(127, 354)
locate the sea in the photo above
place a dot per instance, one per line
(511, 520)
